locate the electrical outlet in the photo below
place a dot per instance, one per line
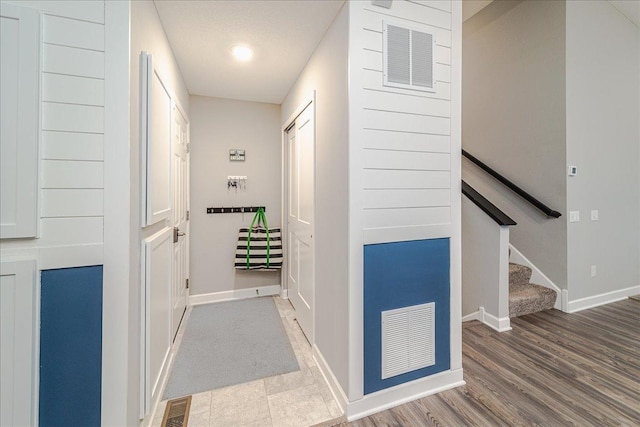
(594, 271)
(594, 215)
(574, 216)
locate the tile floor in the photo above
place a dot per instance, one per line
(296, 399)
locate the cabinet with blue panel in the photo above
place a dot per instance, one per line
(412, 275)
(71, 346)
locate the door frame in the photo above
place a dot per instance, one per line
(307, 101)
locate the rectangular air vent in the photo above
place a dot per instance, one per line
(408, 339)
(408, 58)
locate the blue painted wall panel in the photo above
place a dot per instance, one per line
(403, 274)
(71, 347)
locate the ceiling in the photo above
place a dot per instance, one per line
(629, 8)
(471, 7)
(282, 33)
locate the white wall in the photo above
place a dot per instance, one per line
(147, 35)
(404, 159)
(603, 69)
(77, 113)
(218, 125)
(326, 73)
(405, 136)
(70, 190)
(71, 138)
(513, 110)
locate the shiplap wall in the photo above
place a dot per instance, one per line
(72, 132)
(406, 135)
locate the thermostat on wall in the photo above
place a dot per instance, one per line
(236, 155)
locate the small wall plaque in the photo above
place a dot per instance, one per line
(236, 155)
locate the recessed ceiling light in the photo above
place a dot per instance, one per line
(242, 53)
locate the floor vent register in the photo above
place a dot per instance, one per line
(176, 414)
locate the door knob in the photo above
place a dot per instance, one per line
(176, 234)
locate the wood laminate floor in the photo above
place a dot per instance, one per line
(552, 369)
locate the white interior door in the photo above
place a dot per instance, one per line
(300, 221)
(180, 173)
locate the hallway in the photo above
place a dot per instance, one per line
(299, 398)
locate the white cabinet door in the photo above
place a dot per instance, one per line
(156, 140)
(157, 259)
(19, 112)
(17, 343)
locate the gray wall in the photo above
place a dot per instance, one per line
(513, 118)
(146, 34)
(603, 141)
(218, 125)
(326, 73)
(481, 259)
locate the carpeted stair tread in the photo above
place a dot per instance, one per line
(519, 274)
(530, 298)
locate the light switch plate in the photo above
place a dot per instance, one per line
(573, 170)
(574, 216)
(594, 271)
(594, 215)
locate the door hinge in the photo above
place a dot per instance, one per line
(188, 147)
(188, 215)
(187, 283)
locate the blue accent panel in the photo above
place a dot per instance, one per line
(404, 274)
(71, 347)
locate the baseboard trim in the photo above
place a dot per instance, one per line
(335, 387)
(235, 294)
(403, 393)
(537, 276)
(601, 299)
(500, 324)
(476, 315)
(565, 301)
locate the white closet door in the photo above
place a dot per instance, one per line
(301, 199)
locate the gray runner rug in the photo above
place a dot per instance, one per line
(230, 343)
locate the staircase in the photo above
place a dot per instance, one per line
(525, 297)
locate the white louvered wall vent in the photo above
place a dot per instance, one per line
(408, 339)
(408, 58)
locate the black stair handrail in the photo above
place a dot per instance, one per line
(489, 208)
(513, 187)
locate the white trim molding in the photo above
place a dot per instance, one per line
(236, 294)
(403, 393)
(601, 299)
(335, 387)
(374, 236)
(119, 392)
(500, 324)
